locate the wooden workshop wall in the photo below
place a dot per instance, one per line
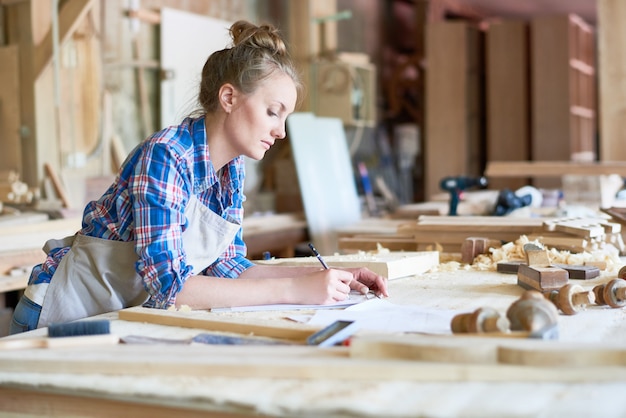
(612, 73)
(102, 89)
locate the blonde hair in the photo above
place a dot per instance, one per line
(256, 54)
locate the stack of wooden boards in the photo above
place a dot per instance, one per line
(447, 233)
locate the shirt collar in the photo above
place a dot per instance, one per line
(204, 173)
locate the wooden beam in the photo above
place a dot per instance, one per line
(70, 15)
(11, 156)
(553, 168)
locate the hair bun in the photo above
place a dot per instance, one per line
(265, 36)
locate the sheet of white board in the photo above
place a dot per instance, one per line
(187, 40)
(325, 176)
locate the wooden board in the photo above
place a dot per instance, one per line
(207, 34)
(452, 140)
(214, 322)
(11, 156)
(35, 235)
(507, 85)
(612, 70)
(483, 349)
(325, 175)
(296, 362)
(357, 243)
(392, 265)
(553, 168)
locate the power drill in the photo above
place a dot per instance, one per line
(455, 185)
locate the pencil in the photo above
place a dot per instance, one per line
(318, 255)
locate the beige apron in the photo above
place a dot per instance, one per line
(98, 275)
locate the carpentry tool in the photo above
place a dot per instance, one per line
(571, 298)
(71, 334)
(533, 313)
(509, 267)
(579, 272)
(538, 273)
(508, 201)
(575, 272)
(487, 322)
(204, 338)
(612, 293)
(456, 185)
(481, 320)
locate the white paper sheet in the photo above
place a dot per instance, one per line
(382, 315)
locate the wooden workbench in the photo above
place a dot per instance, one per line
(204, 383)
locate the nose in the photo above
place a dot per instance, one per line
(279, 132)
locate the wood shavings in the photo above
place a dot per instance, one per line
(514, 251)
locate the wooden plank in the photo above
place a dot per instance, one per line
(451, 90)
(35, 235)
(612, 70)
(391, 265)
(507, 86)
(553, 168)
(21, 28)
(371, 243)
(295, 362)
(59, 188)
(304, 36)
(178, 92)
(486, 349)
(550, 99)
(11, 156)
(214, 322)
(329, 196)
(564, 108)
(70, 15)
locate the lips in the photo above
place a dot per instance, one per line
(268, 144)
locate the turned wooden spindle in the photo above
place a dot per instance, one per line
(612, 293)
(532, 312)
(481, 320)
(571, 298)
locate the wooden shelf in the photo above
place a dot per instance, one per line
(563, 90)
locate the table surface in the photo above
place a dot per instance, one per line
(462, 396)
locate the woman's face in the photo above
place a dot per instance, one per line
(257, 120)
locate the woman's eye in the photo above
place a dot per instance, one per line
(269, 112)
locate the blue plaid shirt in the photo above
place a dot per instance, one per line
(146, 204)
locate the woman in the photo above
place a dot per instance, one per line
(168, 231)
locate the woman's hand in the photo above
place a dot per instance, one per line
(365, 280)
(324, 286)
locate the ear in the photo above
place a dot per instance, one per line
(227, 97)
